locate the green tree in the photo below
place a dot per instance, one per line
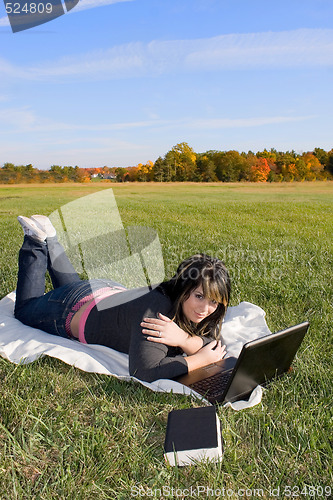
(283, 160)
(120, 174)
(230, 166)
(314, 167)
(160, 170)
(56, 173)
(180, 162)
(329, 166)
(205, 169)
(301, 169)
(322, 155)
(10, 167)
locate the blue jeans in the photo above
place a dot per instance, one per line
(48, 311)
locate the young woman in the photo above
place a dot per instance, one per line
(156, 327)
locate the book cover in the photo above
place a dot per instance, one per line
(192, 435)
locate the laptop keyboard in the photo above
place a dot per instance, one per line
(212, 386)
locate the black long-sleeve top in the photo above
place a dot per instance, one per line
(115, 322)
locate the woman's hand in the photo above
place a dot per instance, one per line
(164, 331)
(211, 353)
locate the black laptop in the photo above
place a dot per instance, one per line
(260, 361)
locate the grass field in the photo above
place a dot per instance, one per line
(66, 434)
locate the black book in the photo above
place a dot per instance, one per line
(193, 435)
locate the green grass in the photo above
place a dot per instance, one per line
(68, 434)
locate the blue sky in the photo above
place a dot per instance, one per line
(120, 82)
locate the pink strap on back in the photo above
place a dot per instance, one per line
(93, 303)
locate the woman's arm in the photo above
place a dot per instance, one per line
(154, 359)
(211, 353)
(151, 360)
(165, 331)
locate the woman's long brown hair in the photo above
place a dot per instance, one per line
(212, 275)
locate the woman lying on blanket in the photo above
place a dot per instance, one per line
(154, 327)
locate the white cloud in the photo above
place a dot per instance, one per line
(288, 49)
(25, 120)
(26, 137)
(218, 123)
(18, 118)
(295, 48)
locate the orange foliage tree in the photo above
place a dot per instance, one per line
(259, 170)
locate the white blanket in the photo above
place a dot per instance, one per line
(22, 344)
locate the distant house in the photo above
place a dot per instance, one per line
(109, 176)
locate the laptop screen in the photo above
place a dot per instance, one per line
(263, 359)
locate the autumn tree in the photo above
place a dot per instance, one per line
(82, 175)
(8, 174)
(259, 170)
(180, 163)
(132, 174)
(269, 155)
(314, 168)
(292, 171)
(145, 171)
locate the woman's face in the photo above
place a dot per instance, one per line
(197, 307)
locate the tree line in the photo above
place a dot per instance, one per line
(182, 164)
